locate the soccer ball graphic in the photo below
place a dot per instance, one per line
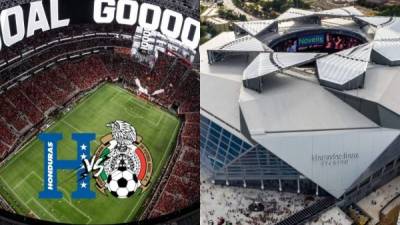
(122, 183)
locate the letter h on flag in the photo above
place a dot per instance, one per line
(52, 165)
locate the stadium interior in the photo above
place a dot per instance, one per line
(46, 73)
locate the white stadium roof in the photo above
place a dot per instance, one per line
(294, 13)
(387, 34)
(297, 118)
(345, 66)
(268, 63)
(225, 76)
(288, 104)
(341, 12)
(381, 86)
(376, 21)
(246, 44)
(255, 27)
(388, 49)
(222, 89)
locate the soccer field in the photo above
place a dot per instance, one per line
(21, 178)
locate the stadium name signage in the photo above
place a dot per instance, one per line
(124, 12)
(150, 17)
(335, 159)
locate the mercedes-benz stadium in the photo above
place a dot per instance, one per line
(305, 103)
(116, 82)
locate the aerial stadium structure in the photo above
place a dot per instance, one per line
(71, 67)
(307, 102)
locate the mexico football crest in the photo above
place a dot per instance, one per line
(121, 164)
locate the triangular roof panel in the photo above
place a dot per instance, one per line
(341, 12)
(376, 20)
(294, 13)
(389, 50)
(244, 44)
(342, 67)
(389, 32)
(267, 63)
(255, 27)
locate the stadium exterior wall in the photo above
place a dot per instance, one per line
(233, 161)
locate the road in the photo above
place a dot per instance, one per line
(229, 5)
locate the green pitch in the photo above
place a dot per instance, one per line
(21, 178)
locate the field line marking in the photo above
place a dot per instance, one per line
(74, 128)
(159, 119)
(136, 115)
(132, 114)
(70, 125)
(69, 200)
(18, 153)
(115, 95)
(87, 97)
(169, 144)
(124, 91)
(80, 211)
(140, 199)
(135, 100)
(12, 190)
(41, 206)
(23, 180)
(32, 210)
(77, 107)
(158, 167)
(60, 188)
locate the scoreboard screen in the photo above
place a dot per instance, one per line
(317, 42)
(311, 40)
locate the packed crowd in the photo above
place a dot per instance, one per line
(29, 101)
(224, 205)
(182, 185)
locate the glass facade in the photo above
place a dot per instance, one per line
(256, 164)
(231, 158)
(218, 146)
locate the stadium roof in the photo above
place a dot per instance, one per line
(298, 119)
(388, 51)
(243, 44)
(255, 27)
(288, 104)
(343, 67)
(226, 78)
(381, 86)
(294, 13)
(222, 89)
(389, 32)
(268, 63)
(376, 21)
(341, 12)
